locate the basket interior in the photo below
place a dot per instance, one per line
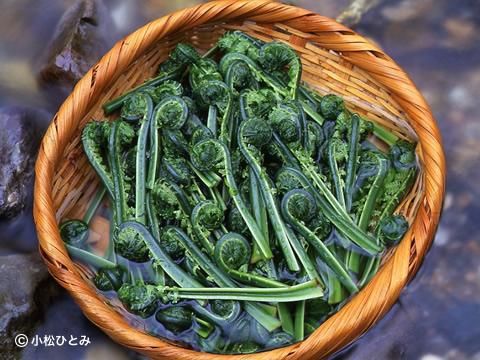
(75, 182)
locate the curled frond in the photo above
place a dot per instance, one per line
(204, 70)
(300, 204)
(75, 233)
(107, 279)
(392, 229)
(232, 251)
(166, 202)
(171, 112)
(285, 122)
(239, 42)
(256, 132)
(320, 226)
(213, 92)
(239, 76)
(175, 318)
(258, 103)
(235, 221)
(339, 149)
(175, 143)
(184, 54)
(276, 56)
(167, 88)
(315, 138)
(403, 155)
(201, 133)
(94, 140)
(207, 155)
(139, 299)
(171, 245)
(287, 179)
(135, 107)
(129, 244)
(225, 309)
(208, 215)
(331, 106)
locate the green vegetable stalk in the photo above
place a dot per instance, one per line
(245, 206)
(305, 291)
(298, 207)
(253, 133)
(211, 154)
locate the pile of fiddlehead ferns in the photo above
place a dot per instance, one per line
(245, 207)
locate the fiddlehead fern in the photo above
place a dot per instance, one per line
(169, 242)
(121, 134)
(239, 77)
(291, 169)
(239, 42)
(247, 133)
(175, 318)
(139, 299)
(392, 229)
(94, 137)
(176, 169)
(206, 217)
(130, 245)
(168, 88)
(107, 279)
(298, 207)
(211, 154)
(171, 113)
(331, 106)
(275, 56)
(135, 107)
(74, 233)
(232, 255)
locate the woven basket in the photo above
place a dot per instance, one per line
(336, 60)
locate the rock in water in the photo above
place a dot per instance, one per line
(26, 289)
(84, 33)
(21, 129)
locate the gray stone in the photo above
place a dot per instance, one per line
(65, 318)
(84, 33)
(21, 129)
(25, 290)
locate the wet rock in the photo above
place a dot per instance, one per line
(461, 33)
(105, 350)
(407, 10)
(18, 84)
(21, 129)
(84, 33)
(25, 291)
(65, 318)
(330, 8)
(129, 15)
(355, 11)
(442, 237)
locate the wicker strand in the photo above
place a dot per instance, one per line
(321, 42)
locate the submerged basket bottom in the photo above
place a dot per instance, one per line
(241, 333)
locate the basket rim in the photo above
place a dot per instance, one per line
(365, 308)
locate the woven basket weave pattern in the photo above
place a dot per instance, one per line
(335, 59)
